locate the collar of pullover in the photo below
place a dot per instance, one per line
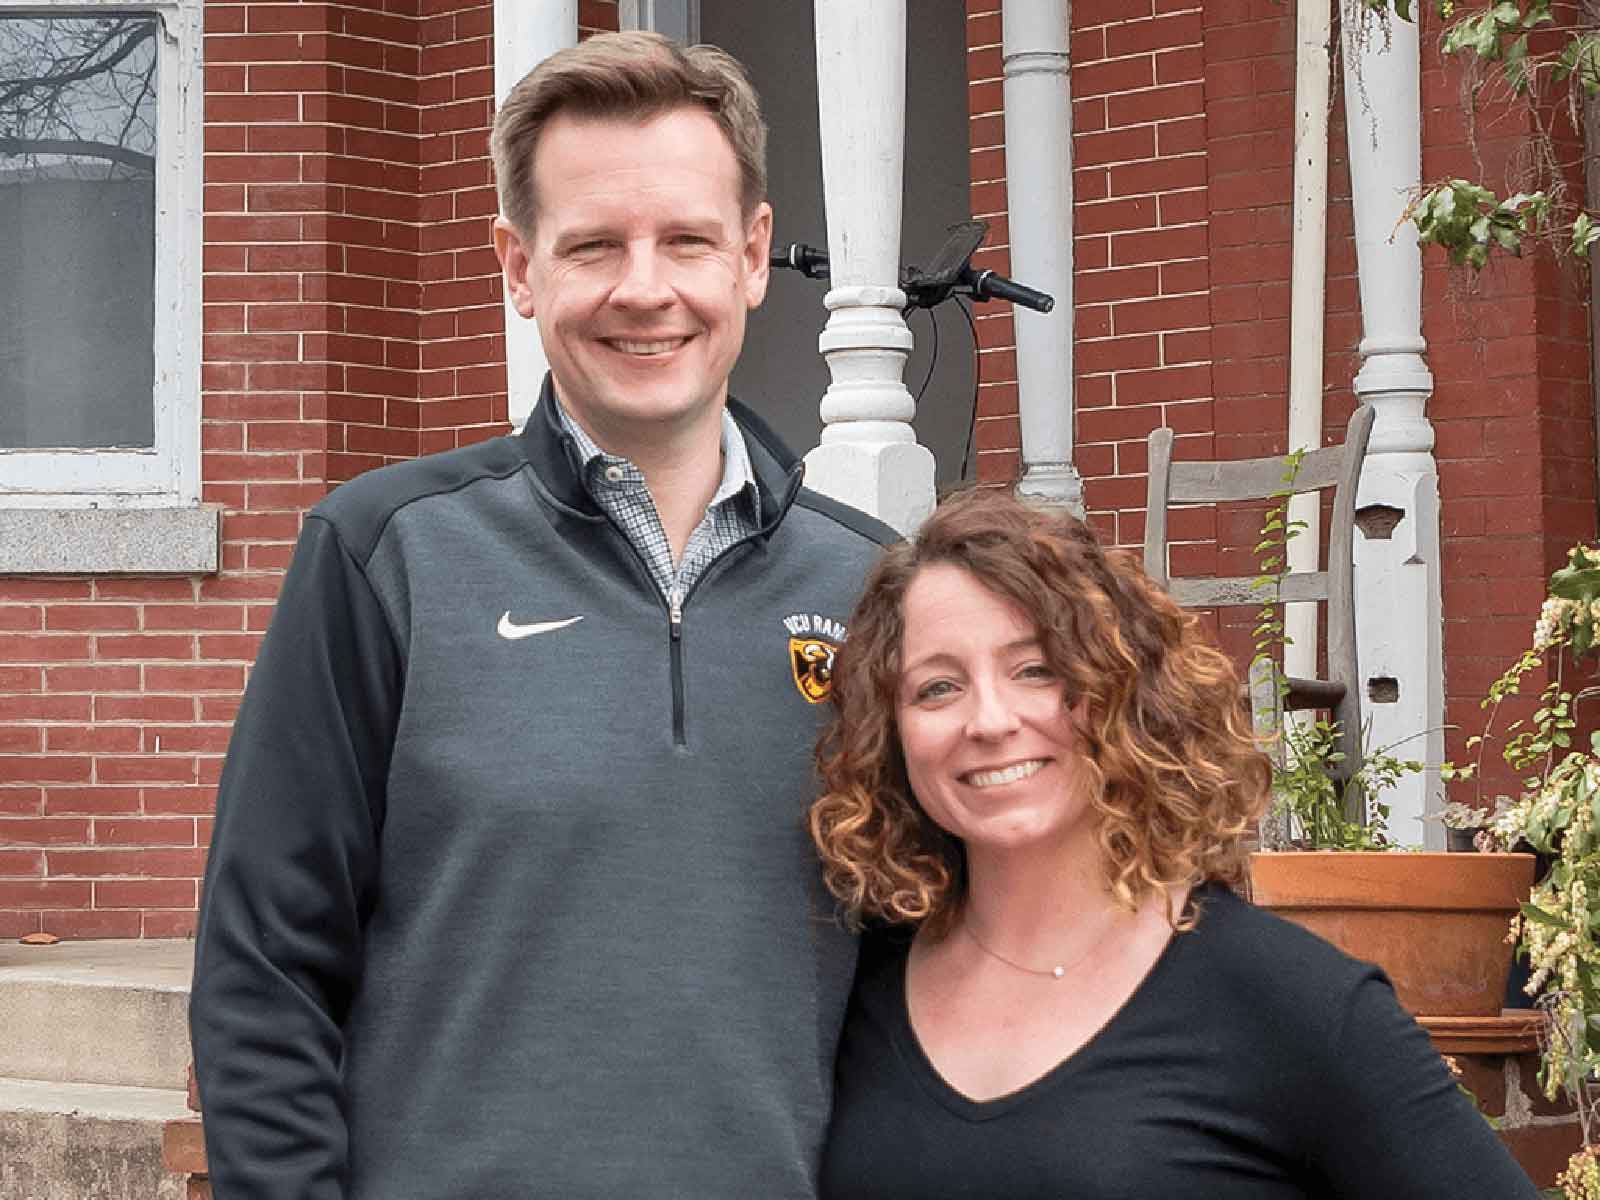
(554, 455)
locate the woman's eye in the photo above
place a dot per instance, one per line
(935, 689)
(1036, 670)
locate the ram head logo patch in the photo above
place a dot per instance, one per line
(812, 662)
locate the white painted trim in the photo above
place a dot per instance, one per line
(525, 34)
(168, 474)
(1307, 303)
(868, 456)
(1038, 125)
(1399, 589)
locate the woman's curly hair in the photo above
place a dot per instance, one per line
(1177, 777)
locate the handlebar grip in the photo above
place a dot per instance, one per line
(988, 285)
(808, 260)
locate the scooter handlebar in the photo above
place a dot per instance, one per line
(989, 285)
(984, 285)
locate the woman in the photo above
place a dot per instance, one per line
(1039, 766)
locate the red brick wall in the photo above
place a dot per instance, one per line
(1142, 317)
(352, 317)
(1143, 230)
(98, 834)
(1140, 174)
(1249, 103)
(309, 351)
(997, 434)
(462, 379)
(1182, 138)
(1513, 411)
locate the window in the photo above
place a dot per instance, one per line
(100, 156)
(678, 19)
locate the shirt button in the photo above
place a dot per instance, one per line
(614, 473)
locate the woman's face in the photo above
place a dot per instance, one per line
(990, 744)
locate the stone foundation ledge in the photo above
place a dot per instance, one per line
(110, 541)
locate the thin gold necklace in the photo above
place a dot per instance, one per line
(1059, 971)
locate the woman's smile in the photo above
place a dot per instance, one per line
(996, 776)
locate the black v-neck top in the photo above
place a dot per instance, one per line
(1254, 1062)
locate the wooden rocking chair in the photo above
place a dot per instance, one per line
(1338, 467)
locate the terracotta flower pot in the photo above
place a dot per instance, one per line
(1436, 923)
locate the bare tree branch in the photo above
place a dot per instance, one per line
(133, 108)
(82, 149)
(143, 32)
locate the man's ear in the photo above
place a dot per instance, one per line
(515, 257)
(758, 255)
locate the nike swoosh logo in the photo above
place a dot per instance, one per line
(512, 631)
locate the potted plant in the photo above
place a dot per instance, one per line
(1436, 923)
(1466, 826)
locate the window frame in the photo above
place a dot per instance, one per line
(677, 19)
(166, 474)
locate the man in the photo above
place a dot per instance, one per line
(509, 893)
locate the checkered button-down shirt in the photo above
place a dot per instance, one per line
(618, 487)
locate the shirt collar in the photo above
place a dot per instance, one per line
(737, 474)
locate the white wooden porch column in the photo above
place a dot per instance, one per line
(1038, 108)
(868, 456)
(524, 36)
(1399, 620)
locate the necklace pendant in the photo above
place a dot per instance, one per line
(1059, 972)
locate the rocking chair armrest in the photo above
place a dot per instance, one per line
(1313, 693)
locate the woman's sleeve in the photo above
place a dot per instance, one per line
(1392, 1121)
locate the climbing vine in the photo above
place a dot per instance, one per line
(1469, 220)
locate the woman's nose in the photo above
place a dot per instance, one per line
(992, 715)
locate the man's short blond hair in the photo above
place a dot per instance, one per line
(633, 76)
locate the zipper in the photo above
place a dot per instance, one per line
(674, 606)
(676, 599)
(675, 638)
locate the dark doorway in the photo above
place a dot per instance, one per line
(781, 374)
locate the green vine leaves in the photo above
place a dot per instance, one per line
(1467, 220)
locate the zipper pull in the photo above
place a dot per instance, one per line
(675, 612)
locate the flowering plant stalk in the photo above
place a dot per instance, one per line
(1581, 1179)
(1558, 815)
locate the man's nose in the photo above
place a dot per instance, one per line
(644, 282)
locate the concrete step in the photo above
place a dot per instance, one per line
(112, 1013)
(86, 1141)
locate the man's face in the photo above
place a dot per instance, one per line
(640, 270)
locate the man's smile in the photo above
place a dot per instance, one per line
(645, 348)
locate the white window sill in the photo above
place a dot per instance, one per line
(110, 541)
